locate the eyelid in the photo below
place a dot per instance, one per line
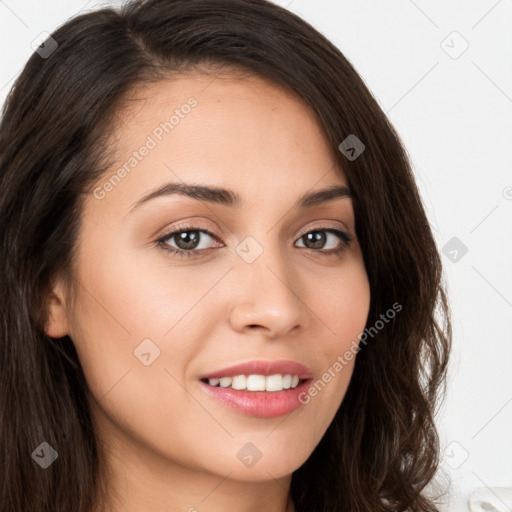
(200, 226)
(324, 225)
(187, 226)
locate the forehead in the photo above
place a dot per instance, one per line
(227, 105)
(230, 129)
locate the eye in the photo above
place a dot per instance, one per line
(189, 241)
(193, 240)
(317, 239)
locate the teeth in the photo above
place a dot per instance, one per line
(276, 382)
(239, 382)
(225, 382)
(255, 383)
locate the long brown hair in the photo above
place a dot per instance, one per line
(382, 448)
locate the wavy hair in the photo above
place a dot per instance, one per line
(382, 448)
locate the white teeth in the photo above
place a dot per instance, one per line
(255, 383)
(239, 382)
(275, 382)
(225, 382)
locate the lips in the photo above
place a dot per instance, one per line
(267, 401)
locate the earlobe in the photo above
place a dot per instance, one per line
(57, 322)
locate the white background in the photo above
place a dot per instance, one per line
(455, 118)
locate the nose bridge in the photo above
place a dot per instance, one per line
(264, 263)
(267, 290)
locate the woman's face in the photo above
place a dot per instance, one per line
(149, 324)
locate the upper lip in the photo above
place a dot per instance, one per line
(266, 368)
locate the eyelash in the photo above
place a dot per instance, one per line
(345, 238)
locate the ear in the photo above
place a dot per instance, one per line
(57, 324)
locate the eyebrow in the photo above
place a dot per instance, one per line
(225, 197)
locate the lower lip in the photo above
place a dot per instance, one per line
(262, 404)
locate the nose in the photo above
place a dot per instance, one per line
(267, 297)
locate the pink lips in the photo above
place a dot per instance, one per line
(262, 404)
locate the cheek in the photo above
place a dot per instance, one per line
(342, 303)
(342, 306)
(138, 295)
(134, 309)
(121, 315)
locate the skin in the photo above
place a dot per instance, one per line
(168, 446)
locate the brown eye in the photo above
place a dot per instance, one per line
(187, 241)
(318, 238)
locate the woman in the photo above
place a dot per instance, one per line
(220, 285)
